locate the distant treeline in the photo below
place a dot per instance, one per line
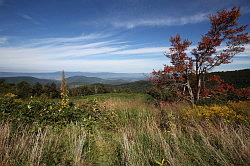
(52, 90)
(240, 79)
(25, 90)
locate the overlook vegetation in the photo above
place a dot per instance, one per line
(81, 86)
(122, 129)
(119, 125)
(182, 115)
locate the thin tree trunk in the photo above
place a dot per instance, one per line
(190, 92)
(198, 88)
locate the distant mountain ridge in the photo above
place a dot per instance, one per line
(104, 75)
(30, 80)
(83, 80)
(240, 78)
(72, 81)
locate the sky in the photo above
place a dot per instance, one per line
(104, 35)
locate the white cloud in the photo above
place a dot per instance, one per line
(43, 65)
(167, 21)
(69, 54)
(92, 52)
(141, 51)
(247, 50)
(29, 18)
(3, 40)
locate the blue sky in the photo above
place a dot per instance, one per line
(103, 35)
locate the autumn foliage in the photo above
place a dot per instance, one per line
(225, 38)
(219, 89)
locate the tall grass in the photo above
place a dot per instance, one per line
(44, 147)
(140, 134)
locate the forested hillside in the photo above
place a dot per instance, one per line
(239, 78)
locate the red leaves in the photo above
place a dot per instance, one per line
(168, 69)
(179, 45)
(215, 78)
(218, 87)
(179, 59)
(243, 92)
(227, 17)
(225, 31)
(181, 64)
(224, 58)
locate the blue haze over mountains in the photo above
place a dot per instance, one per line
(121, 77)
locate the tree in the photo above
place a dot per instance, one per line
(23, 89)
(37, 89)
(225, 38)
(54, 91)
(51, 90)
(64, 91)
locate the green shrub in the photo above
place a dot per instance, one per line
(47, 112)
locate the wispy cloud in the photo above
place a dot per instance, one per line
(90, 52)
(167, 21)
(70, 53)
(247, 50)
(77, 40)
(29, 18)
(3, 40)
(141, 51)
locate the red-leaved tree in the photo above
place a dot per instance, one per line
(225, 38)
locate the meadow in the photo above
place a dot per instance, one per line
(189, 112)
(122, 129)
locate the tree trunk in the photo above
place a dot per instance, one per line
(190, 92)
(198, 88)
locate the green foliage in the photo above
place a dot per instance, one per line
(51, 91)
(163, 94)
(116, 129)
(41, 113)
(90, 90)
(25, 90)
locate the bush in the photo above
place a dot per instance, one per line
(47, 112)
(163, 94)
(227, 113)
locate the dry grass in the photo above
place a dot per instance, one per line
(143, 135)
(47, 147)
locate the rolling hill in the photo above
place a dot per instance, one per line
(72, 81)
(30, 80)
(83, 80)
(240, 78)
(129, 77)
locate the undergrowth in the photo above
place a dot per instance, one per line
(121, 131)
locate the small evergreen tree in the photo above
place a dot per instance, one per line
(64, 91)
(37, 89)
(24, 89)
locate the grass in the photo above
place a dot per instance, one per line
(120, 96)
(135, 133)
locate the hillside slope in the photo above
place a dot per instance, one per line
(30, 80)
(82, 80)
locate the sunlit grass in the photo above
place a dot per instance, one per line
(135, 132)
